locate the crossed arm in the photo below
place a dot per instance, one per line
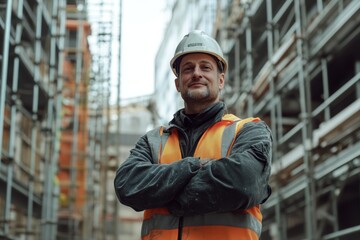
(196, 186)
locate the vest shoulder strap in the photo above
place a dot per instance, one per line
(230, 117)
(232, 130)
(156, 140)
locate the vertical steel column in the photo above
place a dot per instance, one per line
(275, 114)
(90, 202)
(51, 138)
(279, 120)
(46, 204)
(50, 188)
(14, 90)
(236, 76)
(4, 75)
(334, 208)
(4, 70)
(118, 126)
(305, 106)
(75, 145)
(105, 156)
(98, 158)
(320, 5)
(58, 104)
(104, 165)
(249, 60)
(325, 80)
(34, 117)
(105, 63)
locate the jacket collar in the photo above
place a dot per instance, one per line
(211, 115)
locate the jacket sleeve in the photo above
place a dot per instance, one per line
(140, 184)
(236, 182)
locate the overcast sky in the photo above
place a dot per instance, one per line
(143, 24)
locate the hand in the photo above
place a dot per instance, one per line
(204, 161)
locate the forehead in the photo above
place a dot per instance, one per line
(197, 57)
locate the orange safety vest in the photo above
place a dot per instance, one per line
(216, 142)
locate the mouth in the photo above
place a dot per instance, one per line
(196, 84)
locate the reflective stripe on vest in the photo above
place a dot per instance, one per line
(248, 225)
(216, 142)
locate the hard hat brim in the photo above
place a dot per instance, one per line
(180, 55)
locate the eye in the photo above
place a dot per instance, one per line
(187, 68)
(206, 67)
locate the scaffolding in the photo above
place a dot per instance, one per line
(104, 99)
(31, 46)
(54, 104)
(296, 64)
(74, 122)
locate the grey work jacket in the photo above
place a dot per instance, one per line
(238, 181)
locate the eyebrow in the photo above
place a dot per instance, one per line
(202, 62)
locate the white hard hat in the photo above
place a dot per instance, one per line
(197, 41)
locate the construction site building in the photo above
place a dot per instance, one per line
(296, 65)
(72, 161)
(54, 115)
(293, 63)
(31, 77)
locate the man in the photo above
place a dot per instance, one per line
(204, 176)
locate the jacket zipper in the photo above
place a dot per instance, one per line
(180, 228)
(181, 219)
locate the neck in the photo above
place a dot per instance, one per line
(197, 108)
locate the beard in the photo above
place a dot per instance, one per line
(197, 95)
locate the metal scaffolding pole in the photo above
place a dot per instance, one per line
(75, 130)
(325, 81)
(52, 125)
(305, 106)
(105, 167)
(10, 164)
(97, 161)
(89, 211)
(118, 125)
(275, 115)
(249, 62)
(48, 178)
(4, 74)
(91, 218)
(105, 154)
(35, 108)
(58, 102)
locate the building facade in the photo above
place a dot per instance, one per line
(31, 45)
(295, 64)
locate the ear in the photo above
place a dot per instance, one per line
(177, 84)
(221, 81)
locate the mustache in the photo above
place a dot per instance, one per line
(197, 81)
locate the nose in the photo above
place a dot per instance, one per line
(197, 72)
